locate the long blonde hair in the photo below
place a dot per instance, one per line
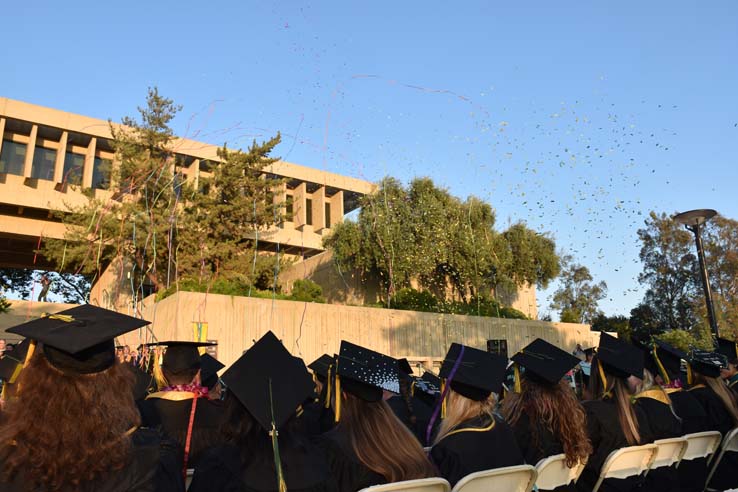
(616, 388)
(459, 409)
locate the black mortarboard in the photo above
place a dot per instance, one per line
(320, 367)
(180, 355)
(590, 351)
(669, 358)
(544, 362)
(619, 357)
(404, 366)
(209, 367)
(479, 373)
(365, 373)
(12, 361)
(269, 381)
(707, 363)
(649, 363)
(728, 348)
(81, 339)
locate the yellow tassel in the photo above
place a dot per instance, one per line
(412, 388)
(604, 379)
(161, 381)
(690, 376)
(328, 390)
(29, 353)
(61, 317)
(516, 374)
(337, 392)
(662, 370)
(443, 402)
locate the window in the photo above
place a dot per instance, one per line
(73, 166)
(327, 214)
(44, 161)
(12, 157)
(101, 173)
(308, 211)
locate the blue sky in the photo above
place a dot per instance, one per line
(577, 118)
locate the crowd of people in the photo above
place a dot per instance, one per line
(77, 417)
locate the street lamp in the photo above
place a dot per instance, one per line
(694, 221)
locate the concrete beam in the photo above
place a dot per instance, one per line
(30, 148)
(89, 163)
(299, 205)
(61, 153)
(319, 209)
(336, 202)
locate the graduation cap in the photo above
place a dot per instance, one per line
(81, 339)
(427, 387)
(321, 366)
(365, 373)
(478, 373)
(404, 366)
(619, 357)
(181, 356)
(728, 348)
(668, 360)
(269, 382)
(590, 351)
(649, 363)
(209, 367)
(12, 361)
(544, 362)
(707, 363)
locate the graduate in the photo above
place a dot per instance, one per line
(729, 349)
(209, 367)
(613, 422)
(181, 407)
(543, 411)
(318, 416)
(266, 448)
(10, 368)
(369, 445)
(73, 424)
(471, 438)
(411, 410)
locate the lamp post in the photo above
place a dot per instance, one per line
(694, 221)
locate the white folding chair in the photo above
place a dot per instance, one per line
(420, 485)
(188, 478)
(730, 443)
(701, 445)
(552, 472)
(668, 452)
(519, 478)
(626, 462)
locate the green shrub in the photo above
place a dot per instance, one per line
(414, 300)
(307, 291)
(4, 304)
(683, 340)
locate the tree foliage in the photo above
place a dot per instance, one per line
(578, 296)
(421, 236)
(71, 288)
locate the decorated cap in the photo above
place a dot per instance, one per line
(320, 367)
(365, 373)
(209, 367)
(81, 339)
(728, 348)
(181, 356)
(478, 373)
(668, 360)
(12, 361)
(269, 382)
(619, 357)
(544, 362)
(707, 363)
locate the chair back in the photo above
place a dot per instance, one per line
(552, 472)
(668, 451)
(519, 478)
(420, 485)
(730, 443)
(626, 462)
(701, 444)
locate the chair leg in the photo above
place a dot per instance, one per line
(597, 485)
(713, 468)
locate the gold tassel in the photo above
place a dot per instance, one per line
(337, 392)
(327, 403)
(662, 370)
(516, 375)
(412, 388)
(61, 317)
(690, 376)
(29, 353)
(161, 381)
(443, 402)
(606, 393)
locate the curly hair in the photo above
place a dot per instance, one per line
(555, 407)
(64, 430)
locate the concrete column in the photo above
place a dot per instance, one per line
(299, 204)
(30, 148)
(89, 162)
(319, 209)
(195, 175)
(61, 153)
(2, 132)
(336, 202)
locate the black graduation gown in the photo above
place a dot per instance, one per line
(664, 425)
(316, 418)
(155, 466)
(534, 450)
(689, 409)
(173, 418)
(421, 411)
(467, 449)
(718, 419)
(346, 468)
(606, 435)
(222, 469)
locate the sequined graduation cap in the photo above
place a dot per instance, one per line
(619, 357)
(209, 367)
(81, 339)
(706, 363)
(728, 348)
(473, 373)
(544, 362)
(365, 373)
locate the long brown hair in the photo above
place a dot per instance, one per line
(383, 443)
(459, 409)
(65, 430)
(616, 388)
(555, 407)
(718, 386)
